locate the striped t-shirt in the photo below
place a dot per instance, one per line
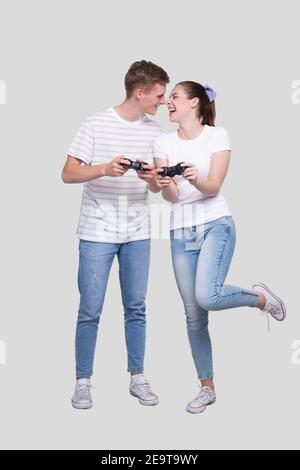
(114, 209)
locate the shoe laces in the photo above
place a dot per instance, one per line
(270, 309)
(83, 391)
(144, 389)
(203, 397)
(266, 313)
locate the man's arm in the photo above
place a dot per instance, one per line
(75, 172)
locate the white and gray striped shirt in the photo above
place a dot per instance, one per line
(114, 209)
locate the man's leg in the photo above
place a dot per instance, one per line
(134, 259)
(94, 267)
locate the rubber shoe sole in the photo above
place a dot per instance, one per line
(145, 402)
(195, 411)
(85, 406)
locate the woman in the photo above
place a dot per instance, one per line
(202, 228)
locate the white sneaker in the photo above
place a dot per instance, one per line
(82, 398)
(140, 388)
(205, 398)
(274, 305)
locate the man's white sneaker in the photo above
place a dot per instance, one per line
(140, 388)
(274, 305)
(205, 398)
(82, 398)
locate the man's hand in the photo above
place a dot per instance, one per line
(114, 168)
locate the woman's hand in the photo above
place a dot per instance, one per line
(162, 181)
(191, 173)
(148, 175)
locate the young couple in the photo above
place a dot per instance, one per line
(202, 229)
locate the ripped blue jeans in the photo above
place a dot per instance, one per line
(201, 258)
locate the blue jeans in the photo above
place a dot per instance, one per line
(95, 262)
(201, 259)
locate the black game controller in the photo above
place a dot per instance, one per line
(138, 166)
(172, 170)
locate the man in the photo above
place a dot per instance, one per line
(114, 220)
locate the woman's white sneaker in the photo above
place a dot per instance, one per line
(140, 388)
(82, 398)
(205, 398)
(274, 305)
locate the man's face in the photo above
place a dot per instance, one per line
(151, 100)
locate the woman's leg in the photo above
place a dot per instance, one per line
(213, 265)
(185, 259)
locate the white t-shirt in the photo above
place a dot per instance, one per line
(194, 208)
(114, 209)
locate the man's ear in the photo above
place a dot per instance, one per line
(139, 92)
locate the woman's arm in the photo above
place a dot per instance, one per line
(218, 170)
(168, 186)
